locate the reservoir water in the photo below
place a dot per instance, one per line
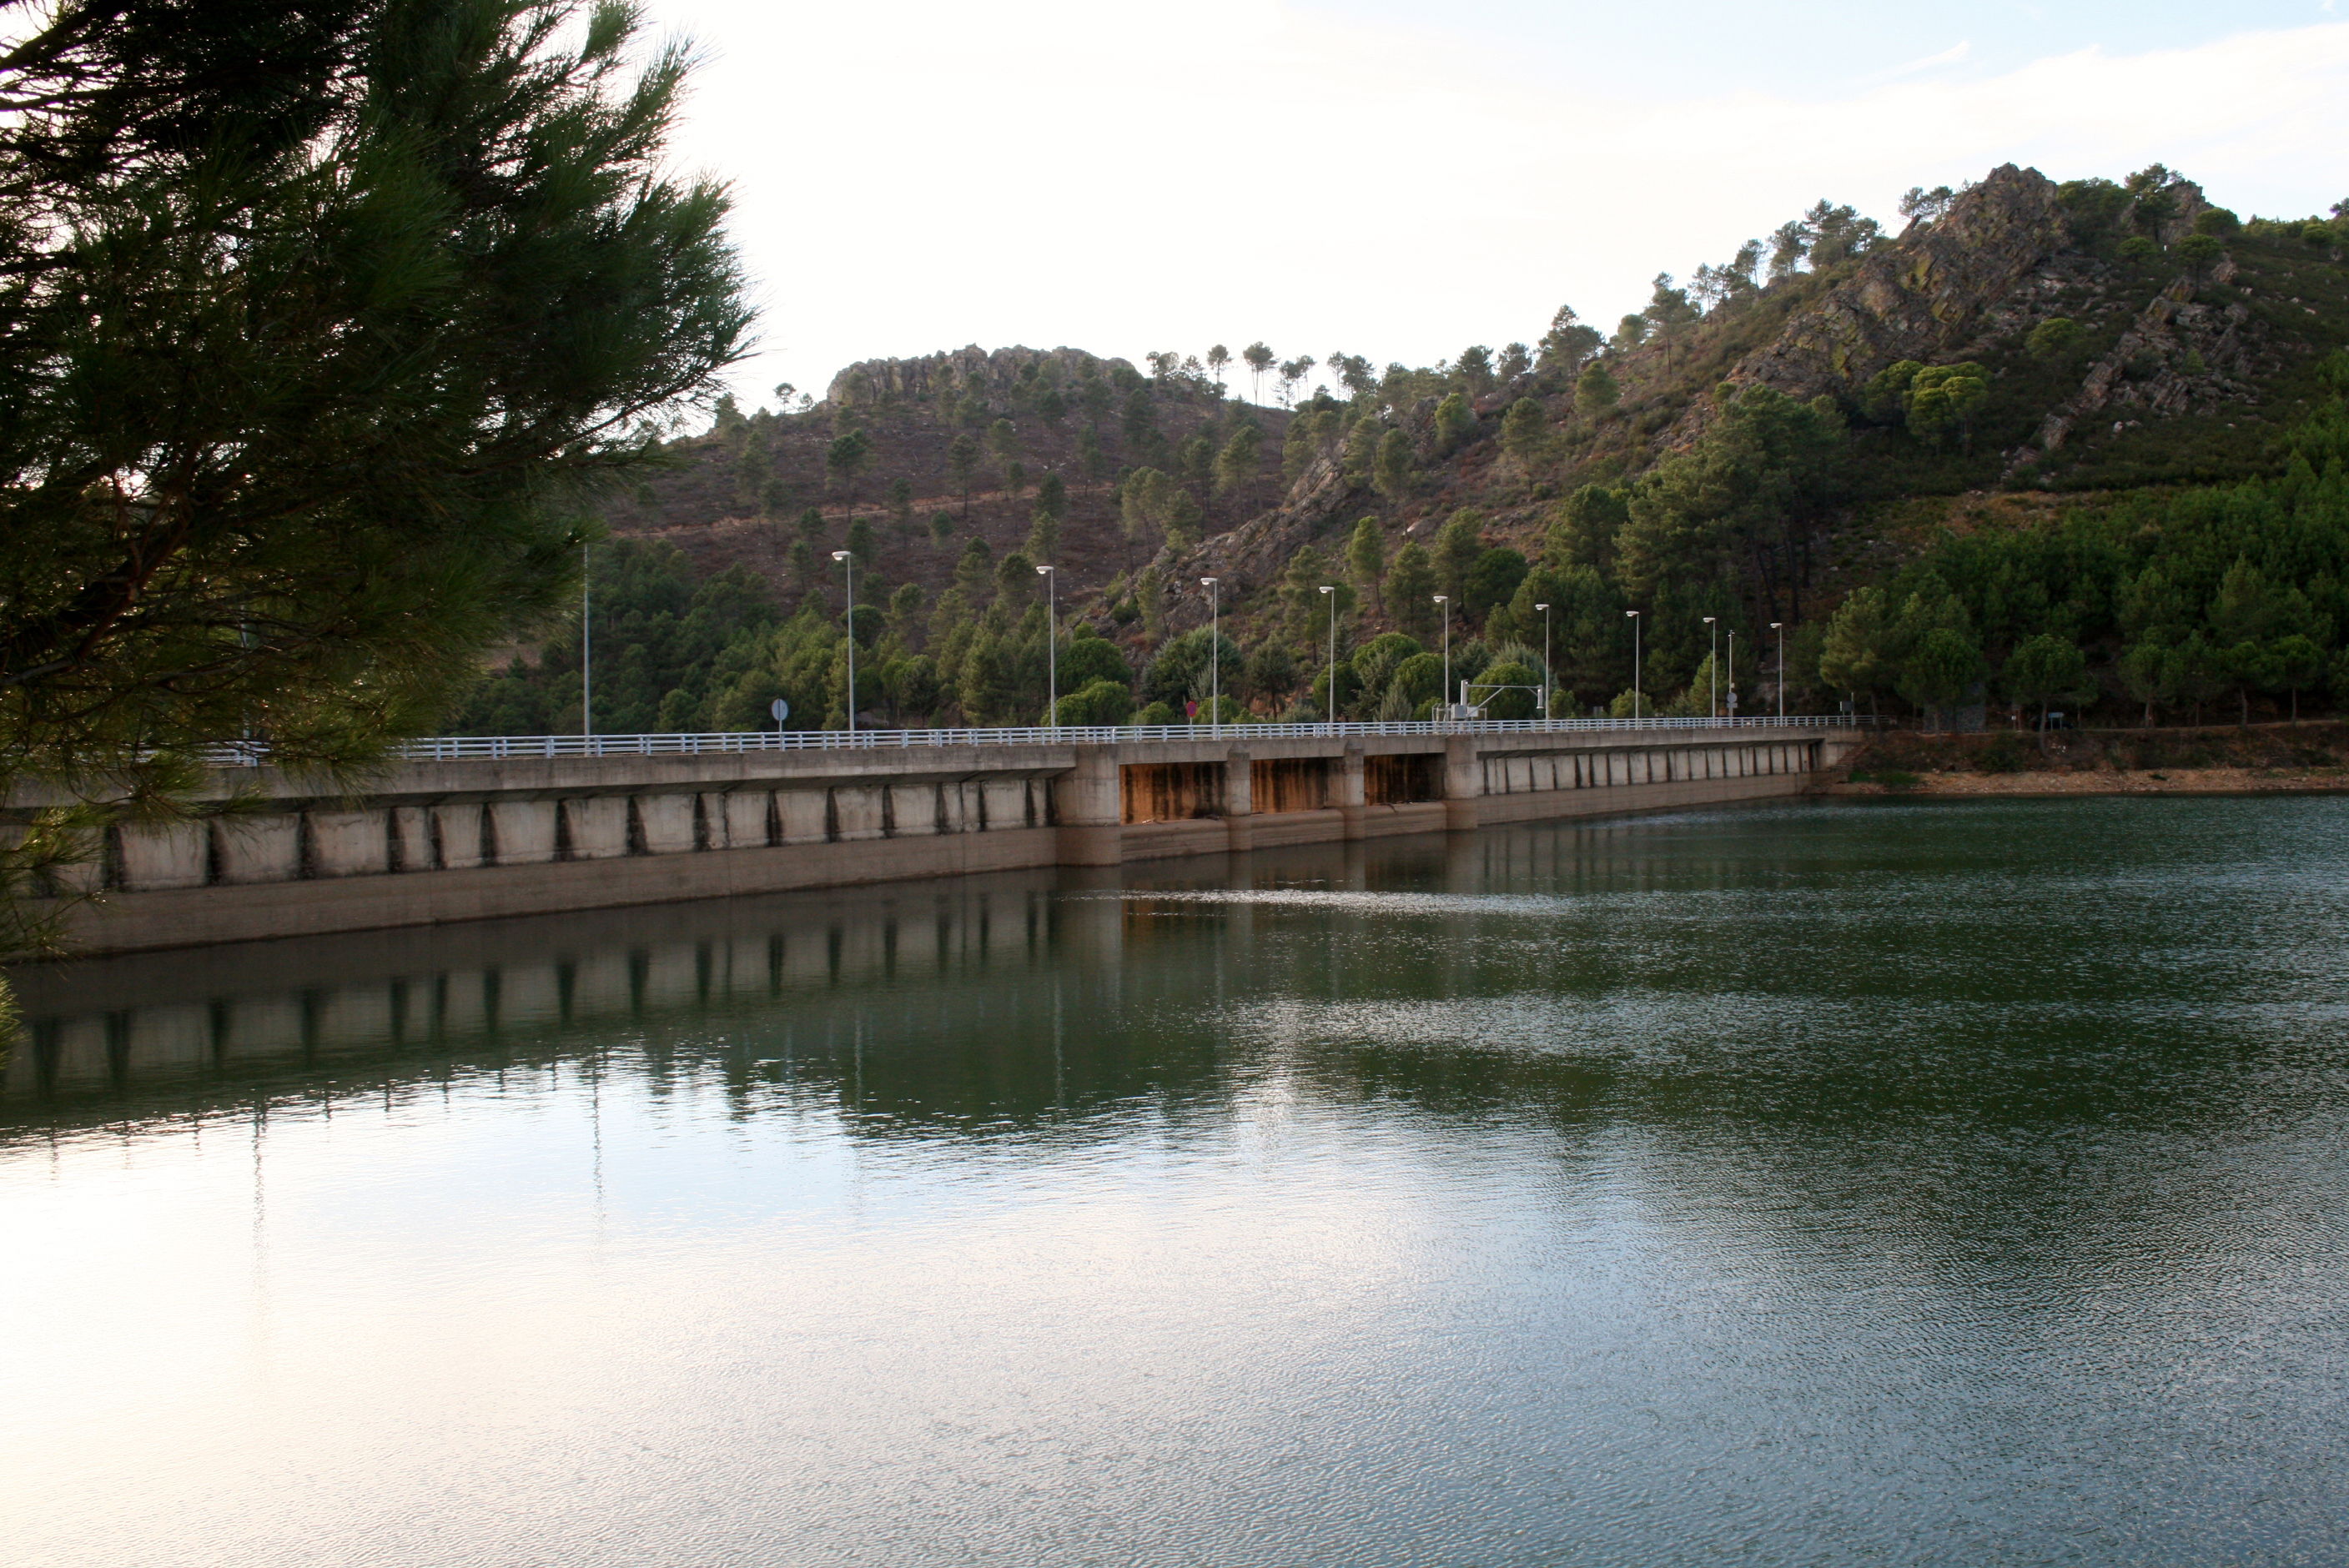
(1857, 1183)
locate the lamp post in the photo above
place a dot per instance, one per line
(1544, 610)
(1443, 608)
(1214, 659)
(1732, 678)
(1051, 645)
(586, 653)
(1780, 627)
(1637, 703)
(1713, 670)
(848, 564)
(1330, 592)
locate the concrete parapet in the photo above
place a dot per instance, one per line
(1089, 803)
(1463, 782)
(1003, 803)
(1239, 802)
(1347, 790)
(913, 810)
(350, 843)
(407, 837)
(663, 824)
(163, 855)
(521, 832)
(457, 832)
(258, 849)
(806, 815)
(742, 816)
(596, 827)
(470, 839)
(856, 814)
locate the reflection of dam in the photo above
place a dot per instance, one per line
(433, 842)
(986, 997)
(534, 983)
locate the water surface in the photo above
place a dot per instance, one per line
(1915, 1182)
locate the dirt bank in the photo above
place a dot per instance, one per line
(2211, 759)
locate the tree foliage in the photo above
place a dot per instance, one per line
(324, 328)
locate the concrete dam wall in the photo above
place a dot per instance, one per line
(430, 842)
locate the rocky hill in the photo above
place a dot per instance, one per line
(2082, 444)
(2123, 337)
(757, 490)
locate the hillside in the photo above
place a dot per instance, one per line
(2176, 372)
(2098, 421)
(741, 491)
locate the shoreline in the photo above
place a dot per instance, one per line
(2100, 782)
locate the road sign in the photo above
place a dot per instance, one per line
(780, 709)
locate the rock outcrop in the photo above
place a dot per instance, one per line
(2176, 353)
(1926, 295)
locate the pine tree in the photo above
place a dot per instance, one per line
(1218, 358)
(326, 327)
(962, 461)
(1595, 393)
(1567, 343)
(1455, 423)
(1525, 432)
(846, 459)
(1237, 463)
(1408, 593)
(1391, 469)
(1259, 359)
(1458, 543)
(1090, 460)
(1366, 555)
(1003, 440)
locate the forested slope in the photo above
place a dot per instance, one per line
(2076, 444)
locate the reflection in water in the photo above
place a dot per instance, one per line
(1921, 1184)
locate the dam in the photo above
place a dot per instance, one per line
(482, 829)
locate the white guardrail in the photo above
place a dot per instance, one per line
(494, 747)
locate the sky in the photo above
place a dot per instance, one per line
(1400, 180)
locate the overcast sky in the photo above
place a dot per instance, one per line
(1400, 180)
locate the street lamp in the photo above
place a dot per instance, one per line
(1215, 659)
(1780, 627)
(848, 564)
(1330, 591)
(1713, 671)
(1051, 645)
(1443, 608)
(1544, 610)
(1637, 703)
(1732, 678)
(586, 653)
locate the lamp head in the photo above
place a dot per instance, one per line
(1775, 625)
(1632, 614)
(1707, 620)
(1207, 582)
(1042, 571)
(839, 555)
(1326, 588)
(1440, 598)
(1543, 608)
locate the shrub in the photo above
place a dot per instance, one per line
(2004, 755)
(1101, 702)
